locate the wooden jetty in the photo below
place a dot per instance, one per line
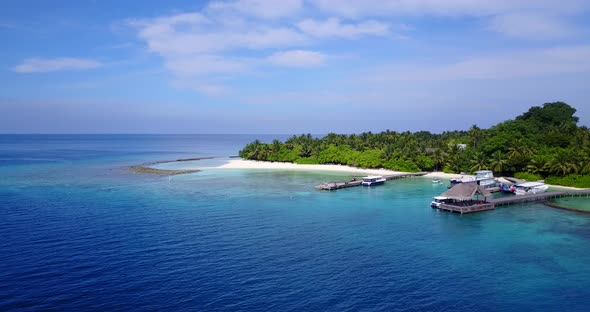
(466, 208)
(519, 199)
(490, 204)
(330, 186)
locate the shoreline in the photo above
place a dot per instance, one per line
(254, 164)
(267, 165)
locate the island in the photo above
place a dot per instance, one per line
(544, 143)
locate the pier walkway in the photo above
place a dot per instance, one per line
(518, 199)
(491, 204)
(330, 186)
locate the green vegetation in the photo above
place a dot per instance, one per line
(528, 176)
(575, 180)
(543, 143)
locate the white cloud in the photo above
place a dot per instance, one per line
(357, 9)
(333, 27)
(193, 34)
(297, 58)
(523, 19)
(531, 26)
(271, 9)
(198, 46)
(42, 65)
(521, 64)
(226, 39)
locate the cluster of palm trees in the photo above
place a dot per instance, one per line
(544, 141)
(562, 163)
(523, 158)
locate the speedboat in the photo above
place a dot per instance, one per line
(373, 180)
(436, 181)
(530, 188)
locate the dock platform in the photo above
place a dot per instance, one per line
(331, 186)
(512, 200)
(467, 208)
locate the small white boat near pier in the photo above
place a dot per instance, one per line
(373, 180)
(438, 200)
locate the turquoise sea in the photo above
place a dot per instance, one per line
(79, 232)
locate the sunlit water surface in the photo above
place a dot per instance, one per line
(80, 232)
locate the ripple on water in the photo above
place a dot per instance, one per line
(255, 241)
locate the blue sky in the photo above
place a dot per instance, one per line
(289, 66)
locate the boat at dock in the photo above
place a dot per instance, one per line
(507, 188)
(530, 188)
(485, 178)
(438, 200)
(373, 180)
(330, 186)
(463, 198)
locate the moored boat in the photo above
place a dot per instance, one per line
(461, 180)
(484, 178)
(437, 200)
(373, 180)
(507, 188)
(530, 188)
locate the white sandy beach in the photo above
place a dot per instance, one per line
(251, 164)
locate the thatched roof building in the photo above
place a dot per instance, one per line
(465, 191)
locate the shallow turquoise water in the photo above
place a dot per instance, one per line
(86, 234)
(579, 203)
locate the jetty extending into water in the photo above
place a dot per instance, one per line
(357, 181)
(490, 204)
(519, 199)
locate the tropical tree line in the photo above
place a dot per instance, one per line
(544, 141)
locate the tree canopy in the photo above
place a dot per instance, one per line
(544, 141)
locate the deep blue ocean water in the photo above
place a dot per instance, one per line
(79, 232)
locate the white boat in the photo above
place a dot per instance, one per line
(530, 188)
(437, 200)
(485, 178)
(373, 180)
(462, 180)
(436, 181)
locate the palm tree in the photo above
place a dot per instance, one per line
(519, 154)
(519, 150)
(389, 152)
(584, 167)
(479, 162)
(475, 133)
(498, 162)
(584, 159)
(276, 146)
(538, 165)
(252, 150)
(438, 157)
(563, 163)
